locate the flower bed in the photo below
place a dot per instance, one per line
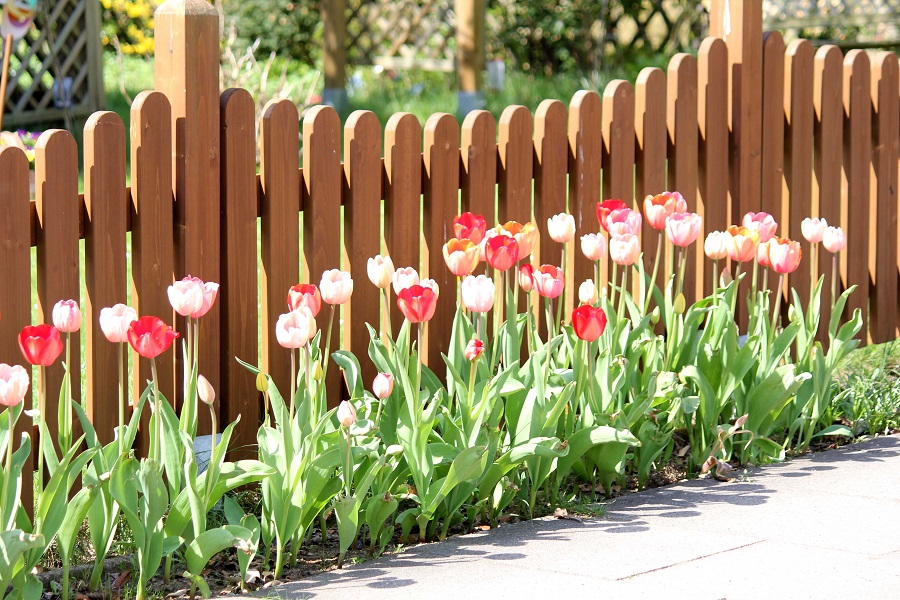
(596, 399)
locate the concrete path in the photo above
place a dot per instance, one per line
(822, 526)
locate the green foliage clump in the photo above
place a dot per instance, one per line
(131, 22)
(286, 27)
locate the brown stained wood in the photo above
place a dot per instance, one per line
(712, 62)
(681, 116)
(550, 164)
(585, 157)
(106, 211)
(828, 84)
(188, 74)
(402, 197)
(280, 229)
(441, 205)
(322, 218)
(798, 157)
(478, 169)
(240, 274)
(56, 200)
(776, 90)
(651, 139)
(515, 168)
(15, 296)
(857, 163)
(618, 148)
(885, 152)
(362, 214)
(152, 253)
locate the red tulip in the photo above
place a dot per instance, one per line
(502, 252)
(588, 322)
(474, 349)
(469, 226)
(150, 337)
(606, 207)
(417, 303)
(40, 344)
(305, 294)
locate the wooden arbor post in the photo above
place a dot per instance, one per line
(469, 55)
(187, 72)
(334, 39)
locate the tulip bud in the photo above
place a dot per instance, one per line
(262, 382)
(346, 414)
(205, 390)
(474, 349)
(587, 292)
(317, 371)
(725, 278)
(679, 304)
(383, 385)
(654, 316)
(792, 314)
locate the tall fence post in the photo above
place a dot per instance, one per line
(334, 57)
(187, 72)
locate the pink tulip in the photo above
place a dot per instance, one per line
(657, 208)
(743, 243)
(296, 328)
(834, 239)
(478, 293)
(625, 249)
(561, 228)
(403, 278)
(380, 270)
(205, 390)
(474, 349)
(186, 296)
(346, 414)
(624, 221)
(383, 385)
(210, 291)
(526, 277)
(762, 254)
(549, 281)
(461, 256)
(67, 316)
(14, 382)
(115, 320)
(813, 229)
(763, 223)
(784, 255)
(336, 286)
(682, 229)
(593, 245)
(716, 245)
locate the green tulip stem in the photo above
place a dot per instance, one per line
(421, 326)
(189, 368)
(715, 282)
(327, 353)
(597, 277)
(814, 269)
(7, 467)
(196, 348)
(754, 280)
(65, 435)
(348, 475)
(834, 278)
(621, 310)
(649, 293)
(309, 360)
(559, 313)
(293, 379)
(778, 293)
(612, 284)
(470, 396)
(387, 313)
(737, 274)
(215, 431)
(121, 354)
(682, 263)
(157, 411)
(549, 310)
(42, 404)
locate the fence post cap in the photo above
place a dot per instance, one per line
(187, 7)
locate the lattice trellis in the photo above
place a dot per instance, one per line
(663, 27)
(861, 23)
(63, 46)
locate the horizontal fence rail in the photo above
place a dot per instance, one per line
(827, 142)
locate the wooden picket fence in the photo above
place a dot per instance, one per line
(746, 125)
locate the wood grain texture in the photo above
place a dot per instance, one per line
(712, 116)
(240, 273)
(885, 153)
(798, 157)
(441, 204)
(478, 167)
(280, 228)
(828, 85)
(857, 163)
(152, 251)
(651, 139)
(776, 91)
(362, 217)
(516, 161)
(15, 297)
(585, 159)
(403, 197)
(104, 261)
(58, 271)
(322, 216)
(618, 149)
(681, 116)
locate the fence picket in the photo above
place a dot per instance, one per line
(883, 245)
(441, 204)
(776, 91)
(362, 217)
(585, 158)
(240, 271)
(618, 148)
(280, 229)
(15, 296)
(58, 209)
(857, 162)
(712, 110)
(106, 211)
(515, 168)
(478, 169)
(402, 198)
